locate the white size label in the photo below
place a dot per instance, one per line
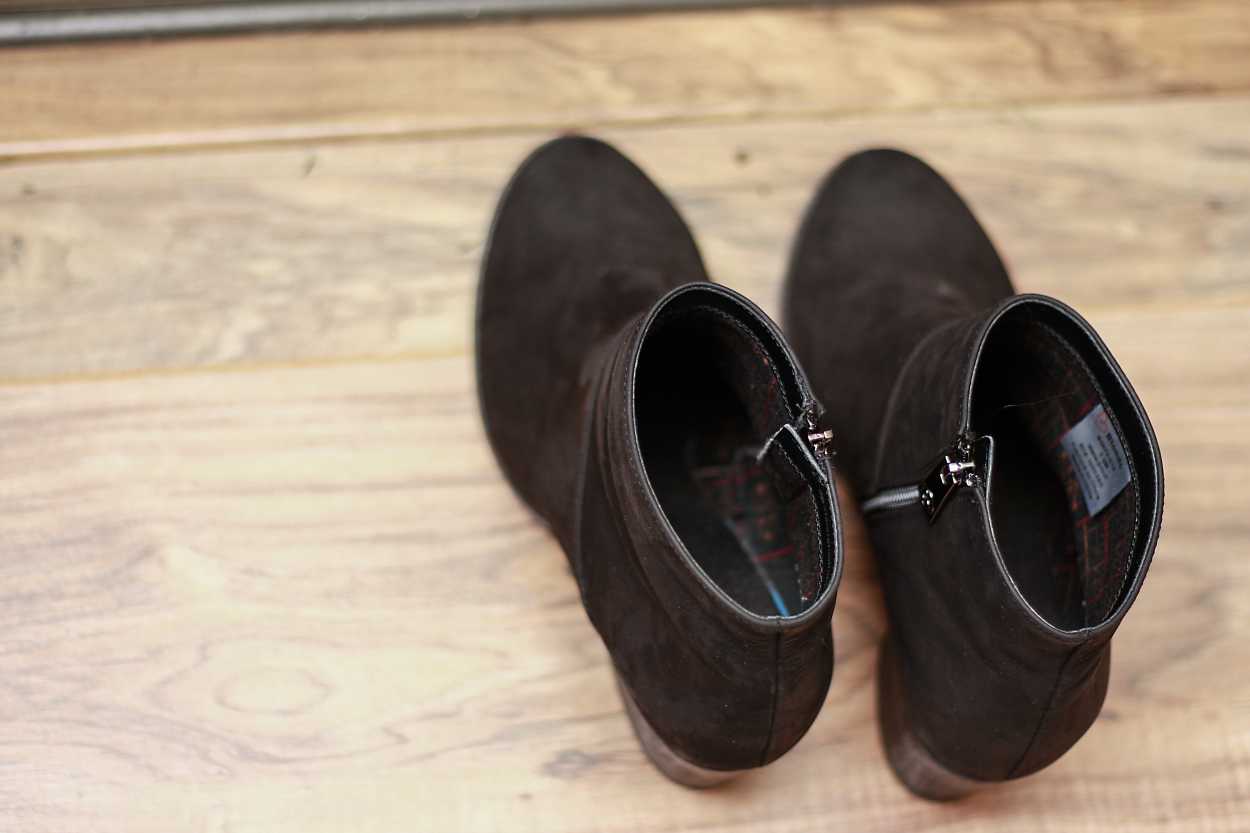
(1098, 458)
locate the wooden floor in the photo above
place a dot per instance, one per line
(259, 571)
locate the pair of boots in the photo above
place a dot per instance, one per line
(666, 430)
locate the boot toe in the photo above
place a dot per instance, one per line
(581, 241)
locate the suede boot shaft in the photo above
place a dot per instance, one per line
(1002, 670)
(660, 425)
(1009, 477)
(727, 688)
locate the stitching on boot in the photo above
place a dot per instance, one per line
(1046, 712)
(892, 402)
(774, 699)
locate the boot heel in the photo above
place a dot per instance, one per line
(665, 759)
(911, 762)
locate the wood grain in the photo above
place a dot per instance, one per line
(333, 252)
(561, 73)
(304, 599)
(259, 570)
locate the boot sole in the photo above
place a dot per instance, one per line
(913, 765)
(674, 767)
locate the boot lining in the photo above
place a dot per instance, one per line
(708, 395)
(1031, 388)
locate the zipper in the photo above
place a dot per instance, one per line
(888, 499)
(961, 465)
(805, 427)
(820, 441)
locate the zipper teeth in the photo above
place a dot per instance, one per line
(956, 469)
(891, 499)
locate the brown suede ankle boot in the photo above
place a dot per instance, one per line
(1012, 484)
(662, 428)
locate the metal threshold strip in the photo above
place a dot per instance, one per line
(34, 27)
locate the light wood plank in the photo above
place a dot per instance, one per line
(305, 599)
(333, 252)
(257, 599)
(558, 73)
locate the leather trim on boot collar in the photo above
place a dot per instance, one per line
(798, 394)
(1139, 437)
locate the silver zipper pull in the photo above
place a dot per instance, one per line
(956, 468)
(960, 465)
(804, 426)
(820, 442)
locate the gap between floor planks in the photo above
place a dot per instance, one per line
(116, 266)
(245, 596)
(608, 71)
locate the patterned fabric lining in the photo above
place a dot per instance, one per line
(744, 495)
(767, 505)
(749, 372)
(1059, 392)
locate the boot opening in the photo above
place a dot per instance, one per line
(708, 395)
(1060, 451)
